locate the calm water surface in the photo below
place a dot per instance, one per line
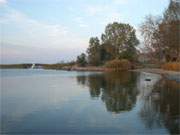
(49, 101)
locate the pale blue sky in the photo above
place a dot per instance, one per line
(49, 31)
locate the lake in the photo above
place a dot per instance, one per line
(59, 102)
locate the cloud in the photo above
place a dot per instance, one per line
(28, 40)
(31, 32)
(83, 25)
(111, 5)
(80, 22)
(105, 13)
(11, 53)
(95, 9)
(120, 2)
(2, 2)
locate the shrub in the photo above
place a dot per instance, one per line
(174, 66)
(118, 65)
(81, 60)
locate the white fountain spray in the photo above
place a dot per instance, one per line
(33, 65)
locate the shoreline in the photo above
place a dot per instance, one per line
(171, 75)
(157, 71)
(92, 69)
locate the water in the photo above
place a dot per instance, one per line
(49, 101)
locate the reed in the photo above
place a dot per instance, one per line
(118, 65)
(173, 66)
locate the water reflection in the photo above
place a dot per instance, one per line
(117, 90)
(122, 103)
(162, 106)
(157, 100)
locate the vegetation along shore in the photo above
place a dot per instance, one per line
(116, 49)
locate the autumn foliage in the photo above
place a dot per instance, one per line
(174, 66)
(118, 65)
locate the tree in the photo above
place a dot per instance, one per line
(122, 39)
(150, 31)
(118, 41)
(107, 52)
(170, 33)
(169, 30)
(172, 13)
(81, 60)
(161, 35)
(94, 56)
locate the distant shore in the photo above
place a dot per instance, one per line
(172, 75)
(89, 68)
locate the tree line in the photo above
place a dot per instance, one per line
(119, 41)
(162, 34)
(160, 38)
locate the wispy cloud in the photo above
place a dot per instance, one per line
(35, 33)
(65, 25)
(109, 6)
(2, 2)
(83, 25)
(96, 9)
(12, 53)
(42, 42)
(80, 21)
(106, 13)
(120, 2)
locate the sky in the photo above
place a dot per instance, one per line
(51, 31)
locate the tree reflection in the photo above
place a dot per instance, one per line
(117, 90)
(82, 79)
(162, 106)
(158, 99)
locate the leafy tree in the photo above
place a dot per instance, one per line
(170, 33)
(107, 52)
(81, 60)
(94, 56)
(169, 30)
(122, 39)
(118, 41)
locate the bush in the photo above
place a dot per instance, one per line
(174, 66)
(118, 65)
(81, 60)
